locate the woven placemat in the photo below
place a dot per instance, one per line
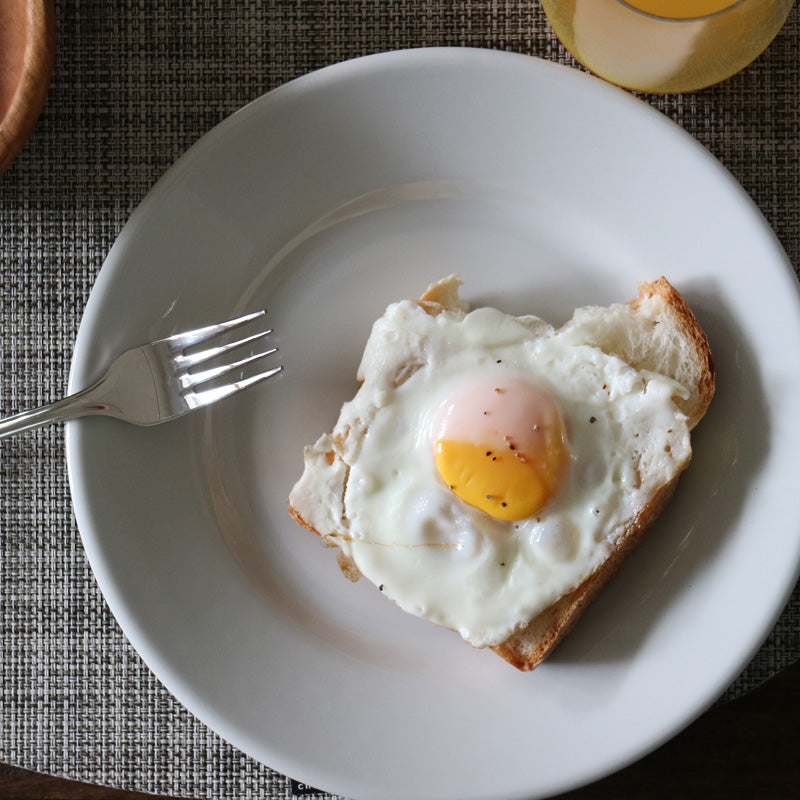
(136, 83)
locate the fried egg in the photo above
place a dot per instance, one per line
(487, 464)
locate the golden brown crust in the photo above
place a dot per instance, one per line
(295, 515)
(684, 319)
(442, 296)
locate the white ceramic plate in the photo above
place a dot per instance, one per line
(324, 201)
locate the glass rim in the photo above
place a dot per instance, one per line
(662, 18)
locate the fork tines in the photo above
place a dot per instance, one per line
(191, 380)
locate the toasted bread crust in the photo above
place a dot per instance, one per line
(684, 320)
(528, 647)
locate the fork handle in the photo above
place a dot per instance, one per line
(76, 405)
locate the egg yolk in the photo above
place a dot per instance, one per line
(501, 447)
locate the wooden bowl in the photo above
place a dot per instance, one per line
(27, 53)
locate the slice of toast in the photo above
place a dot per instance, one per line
(656, 332)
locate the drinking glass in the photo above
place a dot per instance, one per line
(666, 45)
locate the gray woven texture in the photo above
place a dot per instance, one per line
(136, 83)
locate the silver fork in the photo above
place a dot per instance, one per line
(157, 382)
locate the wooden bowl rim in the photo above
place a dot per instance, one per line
(30, 91)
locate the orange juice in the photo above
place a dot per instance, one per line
(666, 45)
(682, 9)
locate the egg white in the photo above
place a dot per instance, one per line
(433, 554)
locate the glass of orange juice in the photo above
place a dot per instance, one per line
(666, 45)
